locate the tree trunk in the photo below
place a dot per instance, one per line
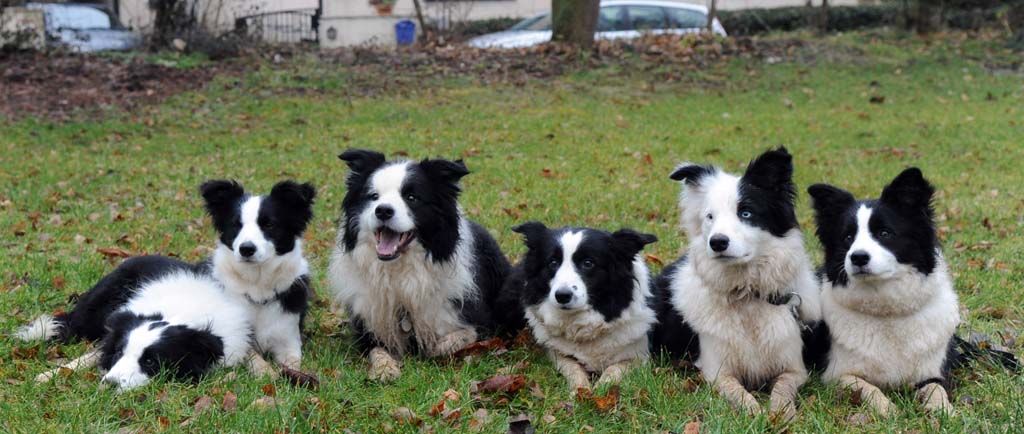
(574, 21)
(928, 16)
(420, 21)
(1015, 19)
(823, 18)
(712, 13)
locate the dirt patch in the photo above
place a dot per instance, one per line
(64, 86)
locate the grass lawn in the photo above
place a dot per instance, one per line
(586, 149)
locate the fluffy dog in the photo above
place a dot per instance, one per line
(737, 300)
(887, 296)
(586, 294)
(414, 274)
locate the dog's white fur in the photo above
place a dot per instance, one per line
(44, 327)
(579, 339)
(743, 339)
(890, 328)
(257, 281)
(182, 298)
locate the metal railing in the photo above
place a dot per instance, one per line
(281, 27)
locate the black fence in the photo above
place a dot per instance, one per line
(281, 27)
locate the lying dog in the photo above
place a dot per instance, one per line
(414, 274)
(736, 303)
(586, 295)
(887, 296)
(258, 263)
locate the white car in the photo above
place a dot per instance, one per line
(616, 19)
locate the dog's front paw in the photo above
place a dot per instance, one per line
(612, 375)
(881, 404)
(45, 377)
(455, 341)
(749, 405)
(383, 367)
(783, 411)
(935, 400)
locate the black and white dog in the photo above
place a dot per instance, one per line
(413, 273)
(259, 259)
(586, 294)
(258, 267)
(887, 295)
(737, 300)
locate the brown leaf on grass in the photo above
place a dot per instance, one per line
(405, 416)
(22, 353)
(58, 282)
(480, 347)
(202, 404)
(163, 421)
(603, 404)
(113, 252)
(547, 173)
(536, 391)
(451, 395)
(264, 403)
(692, 427)
(54, 353)
(654, 259)
(269, 389)
(876, 99)
(508, 384)
(230, 401)
(858, 419)
(125, 413)
(437, 409)
(299, 378)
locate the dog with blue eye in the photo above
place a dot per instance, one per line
(586, 296)
(743, 298)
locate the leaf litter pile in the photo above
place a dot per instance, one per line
(63, 86)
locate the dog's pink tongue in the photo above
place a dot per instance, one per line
(388, 243)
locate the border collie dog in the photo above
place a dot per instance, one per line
(259, 259)
(887, 296)
(413, 273)
(737, 301)
(258, 264)
(586, 294)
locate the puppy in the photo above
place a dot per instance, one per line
(737, 300)
(586, 295)
(887, 296)
(258, 262)
(414, 274)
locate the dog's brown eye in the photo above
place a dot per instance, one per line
(587, 264)
(374, 196)
(553, 264)
(411, 198)
(710, 217)
(885, 234)
(848, 239)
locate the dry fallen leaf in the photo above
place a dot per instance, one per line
(451, 395)
(269, 389)
(405, 416)
(508, 384)
(692, 427)
(480, 347)
(204, 402)
(299, 378)
(265, 402)
(479, 420)
(230, 401)
(113, 252)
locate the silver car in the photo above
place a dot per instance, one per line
(84, 27)
(616, 19)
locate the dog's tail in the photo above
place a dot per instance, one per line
(965, 352)
(43, 328)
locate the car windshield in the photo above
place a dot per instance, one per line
(78, 18)
(539, 22)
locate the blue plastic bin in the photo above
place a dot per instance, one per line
(405, 32)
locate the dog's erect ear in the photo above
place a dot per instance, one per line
(362, 161)
(909, 191)
(691, 173)
(628, 242)
(772, 171)
(221, 195)
(444, 170)
(534, 233)
(829, 201)
(293, 193)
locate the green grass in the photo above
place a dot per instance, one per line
(130, 181)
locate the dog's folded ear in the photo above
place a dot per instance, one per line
(533, 233)
(362, 161)
(828, 199)
(909, 191)
(628, 242)
(772, 171)
(444, 170)
(691, 173)
(220, 194)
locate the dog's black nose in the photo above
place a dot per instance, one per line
(563, 295)
(719, 243)
(247, 249)
(384, 212)
(860, 258)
